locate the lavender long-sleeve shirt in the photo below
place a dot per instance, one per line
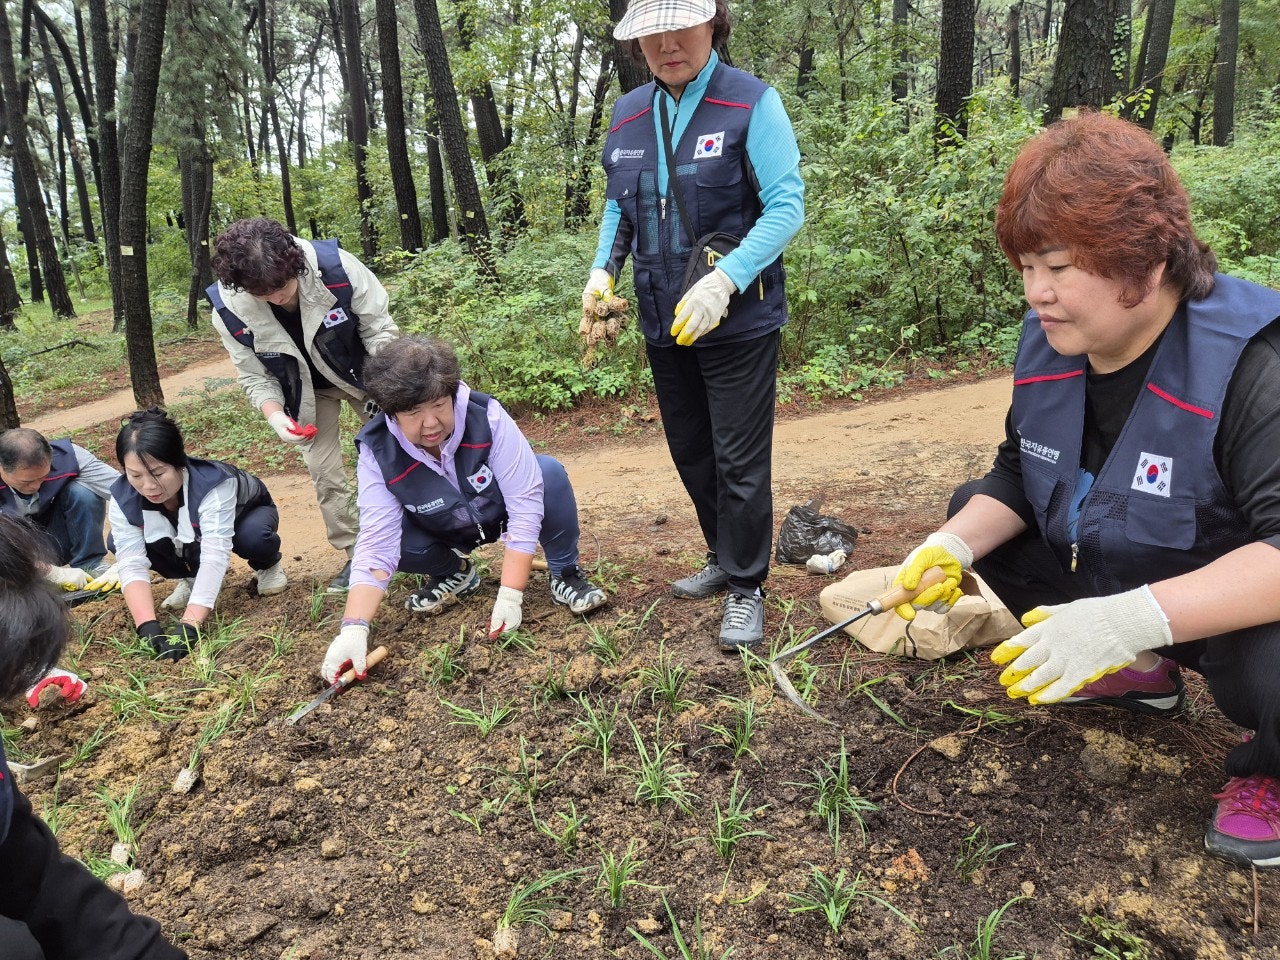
(514, 466)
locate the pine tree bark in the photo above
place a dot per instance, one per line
(104, 72)
(397, 141)
(471, 216)
(266, 45)
(37, 218)
(196, 170)
(1224, 81)
(492, 140)
(359, 114)
(135, 161)
(10, 301)
(1084, 74)
(630, 73)
(67, 128)
(1149, 73)
(8, 407)
(898, 86)
(955, 71)
(435, 170)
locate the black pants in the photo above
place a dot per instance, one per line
(16, 941)
(717, 411)
(1242, 668)
(256, 541)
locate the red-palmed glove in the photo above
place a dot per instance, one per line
(289, 430)
(69, 686)
(349, 648)
(507, 611)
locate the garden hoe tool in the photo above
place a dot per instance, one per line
(886, 601)
(25, 772)
(372, 660)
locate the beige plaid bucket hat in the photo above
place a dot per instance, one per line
(644, 17)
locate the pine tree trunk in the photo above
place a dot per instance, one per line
(453, 136)
(1014, 37)
(10, 301)
(196, 167)
(24, 164)
(630, 73)
(1084, 73)
(435, 170)
(8, 407)
(901, 55)
(397, 140)
(104, 71)
(1149, 74)
(266, 46)
(135, 160)
(359, 114)
(955, 71)
(1224, 81)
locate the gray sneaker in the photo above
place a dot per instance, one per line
(707, 582)
(743, 623)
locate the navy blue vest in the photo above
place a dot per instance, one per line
(204, 475)
(720, 192)
(431, 504)
(63, 468)
(338, 340)
(1158, 508)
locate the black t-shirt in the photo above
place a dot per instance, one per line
(1246, 448)
(291, 321)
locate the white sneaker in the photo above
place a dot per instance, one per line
(272, 581)
(181, 594)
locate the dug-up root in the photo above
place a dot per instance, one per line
(603, 319)
(506, 943)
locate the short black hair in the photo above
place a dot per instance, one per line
(23, 447)
(151, 433)
(411, 370)
(33, 619)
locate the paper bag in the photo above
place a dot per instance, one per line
(978, 619)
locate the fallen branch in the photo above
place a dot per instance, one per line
(69, 343)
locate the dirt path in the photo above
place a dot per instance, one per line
(949, 433)
(121, 402)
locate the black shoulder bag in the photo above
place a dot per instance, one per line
(709, 248)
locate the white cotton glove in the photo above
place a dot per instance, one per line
(68, 578)
(1069, 645)
(106, 581)
(703, 307)
(348, 649)
(288, 430)
(944, 550)
(506, 611)
(70, 687)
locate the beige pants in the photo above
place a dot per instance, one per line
(323, 457)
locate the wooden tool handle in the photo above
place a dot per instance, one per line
(372, 660)
(900, 594)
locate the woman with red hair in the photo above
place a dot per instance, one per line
(1132, 516)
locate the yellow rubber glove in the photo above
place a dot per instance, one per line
(944, 550)
(106, 581)
(1069, 645)
(704, 305)
(70, 579)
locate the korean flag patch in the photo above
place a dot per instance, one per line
(708, 145)
(1153, 475)
(481, 479)
(334, 317)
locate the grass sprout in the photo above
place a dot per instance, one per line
(834, 898)
(532, 900)
(977, 852)
(659, 779)
(616, 875)
(665, 680)
(485, 720)
(835, 798)
(732, 821)
(694, 947)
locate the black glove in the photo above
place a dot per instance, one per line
(171, 643)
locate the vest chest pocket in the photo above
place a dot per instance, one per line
(720, 195)
(623, 185)
(1161, 523)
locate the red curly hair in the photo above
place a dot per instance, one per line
(1103, 188)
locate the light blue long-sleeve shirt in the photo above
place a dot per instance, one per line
(775, 157)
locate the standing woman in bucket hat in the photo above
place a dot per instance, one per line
(713, 348)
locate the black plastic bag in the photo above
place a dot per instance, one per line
(805, 532)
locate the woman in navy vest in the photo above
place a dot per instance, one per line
(713, 349)
(1132, 517)
(51, 907)
(442, 470)
(183, 518)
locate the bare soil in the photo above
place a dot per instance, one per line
(346, 835)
